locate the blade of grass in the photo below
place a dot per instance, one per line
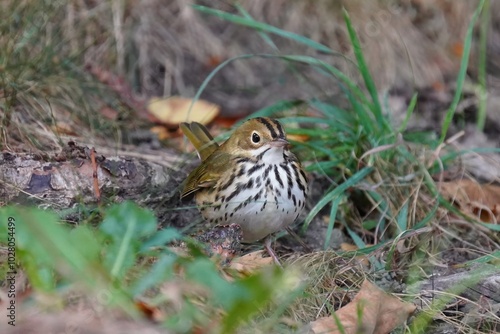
(161, 271)
(300, 59)
(461, 74)
(402, 218)
(356, 238)
(331, 223)
(422, 321)
(427, 218)
(272, 110)
(364, 117)
(335, 193)
(331, 69)
(493, 257)
(332, 111)
(365, 72)
(259, 26)
(492, 227)
(481, 76)
(409, 112)
(262, 34)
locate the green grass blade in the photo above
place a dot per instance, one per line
(262, 34)
(461, 73)
(493, 257)
(160, 238)
(427, 218)
(259, 26)
(213, 73)
(338, 323)
(402, 218)
(331, 111)
(356, 238)
(273, 109)
(331, 223)
(125, 225)
(423, 320)
(365, 118)
(162, 270)
(335, 193)
(365, 72)
(300, 59)
(492, 227)
(483, 43)
(334, 71)
(409, 112)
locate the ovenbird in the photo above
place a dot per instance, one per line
(252, 179)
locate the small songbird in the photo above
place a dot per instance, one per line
(252, 179)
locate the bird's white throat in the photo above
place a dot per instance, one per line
(271, 154)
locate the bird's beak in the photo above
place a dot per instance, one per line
(279, 142)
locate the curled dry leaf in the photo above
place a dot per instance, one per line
(380, 313)
(174, 110)
(481, 201)
(250, 262)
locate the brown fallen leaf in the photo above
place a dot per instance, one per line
(176, 109)
(362, 259)
(297, 137)
(481, 201)
(250, 262)
(380, 313)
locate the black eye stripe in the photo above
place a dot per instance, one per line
(279, 127)
(268, 126)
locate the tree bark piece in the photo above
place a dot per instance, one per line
(65, 180)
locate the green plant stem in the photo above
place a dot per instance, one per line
(461, 74)
(483, 39)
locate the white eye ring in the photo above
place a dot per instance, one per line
(255, 138)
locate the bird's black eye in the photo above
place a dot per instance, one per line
(255, 138)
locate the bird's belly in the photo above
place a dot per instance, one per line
(260, 210)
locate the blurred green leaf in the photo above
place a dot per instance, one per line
(128, 218)
(369, 224)
(204, 272)
(162, 270)
(160, 238)
(46, 247)
(125, 225)
(254, 292)
(402, 218)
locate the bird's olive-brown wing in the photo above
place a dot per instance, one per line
(207, 174)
